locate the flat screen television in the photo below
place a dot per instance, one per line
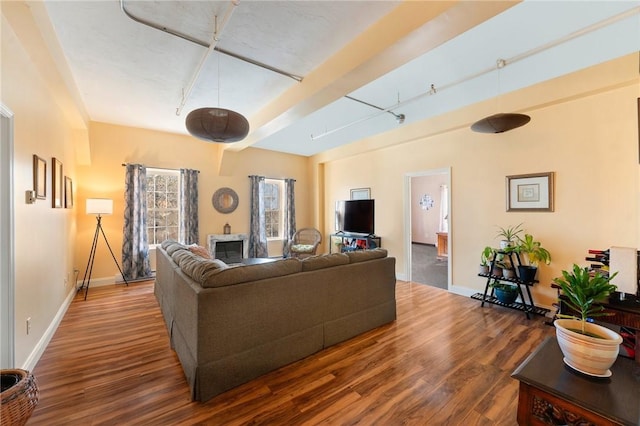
(355, 216)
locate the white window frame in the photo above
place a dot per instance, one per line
(166, 172)
(280, 184)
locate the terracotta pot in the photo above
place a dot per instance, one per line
(590, 355)
(508, 273)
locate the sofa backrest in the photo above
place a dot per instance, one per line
(210, 273)
(246, 273)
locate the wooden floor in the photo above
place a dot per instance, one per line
(446, 360)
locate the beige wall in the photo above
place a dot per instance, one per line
(112, 145)
(584, 128)
(44, 236)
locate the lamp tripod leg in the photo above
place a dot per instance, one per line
(92, 256)
(113, 255)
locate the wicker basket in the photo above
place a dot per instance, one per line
(19, 396)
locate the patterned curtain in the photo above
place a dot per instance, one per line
(258, 229)
(189, 206)
(135, 250)
(289, 215)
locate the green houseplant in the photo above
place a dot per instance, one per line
(581, 290)
(532, 254)
(587, 347)
(509, 235)
(505, 292)
(485, 259)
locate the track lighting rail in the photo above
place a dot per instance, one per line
(206, 44)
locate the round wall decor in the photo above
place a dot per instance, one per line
(225, 200)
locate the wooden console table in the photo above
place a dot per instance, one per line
(443, 245)
(551, 393)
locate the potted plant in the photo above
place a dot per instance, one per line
(508, 270)
(587, 347)
(532, 254)
(497, 264)
(485, 260)
(509, 235)
(505, 292)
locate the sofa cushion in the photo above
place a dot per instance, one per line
(324, 261)
(171, 246)
(199, 251)
(364, 255)
(245, 273)
(197, 268)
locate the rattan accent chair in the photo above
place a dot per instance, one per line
(305, 243)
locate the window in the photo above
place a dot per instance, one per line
(163, 201)
(274, 208)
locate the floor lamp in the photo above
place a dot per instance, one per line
(99, 207)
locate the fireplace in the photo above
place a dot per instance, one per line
(229, 251)
(230, 248)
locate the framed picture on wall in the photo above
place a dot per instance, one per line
(68, 192)
(530, 192)
(57, 183)
(40, 177)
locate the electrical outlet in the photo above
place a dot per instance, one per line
(28, 325)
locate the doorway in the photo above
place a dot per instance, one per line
(7, 282)
(428, 231)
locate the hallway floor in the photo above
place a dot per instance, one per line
(426, 268)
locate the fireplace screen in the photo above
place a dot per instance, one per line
(229, 251)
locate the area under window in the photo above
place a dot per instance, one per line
(274, 208)
(163, 205)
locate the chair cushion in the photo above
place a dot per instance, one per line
(303, 248)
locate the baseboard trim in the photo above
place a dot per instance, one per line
(33, 358)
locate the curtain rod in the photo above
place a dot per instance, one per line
(271, 178)
(159, 168)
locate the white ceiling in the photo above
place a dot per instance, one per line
(130, 74)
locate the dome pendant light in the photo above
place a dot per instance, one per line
(503, 122)
(499, 123)
(217, 125)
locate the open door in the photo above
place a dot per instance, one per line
(428, 230)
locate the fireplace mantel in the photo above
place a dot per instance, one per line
(213, 239)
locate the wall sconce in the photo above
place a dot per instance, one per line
(426, 202)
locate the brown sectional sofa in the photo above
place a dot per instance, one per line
(231, 324)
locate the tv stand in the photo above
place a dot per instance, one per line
(341, 242)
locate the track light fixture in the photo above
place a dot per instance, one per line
(399, 117)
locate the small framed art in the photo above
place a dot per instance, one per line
(40, 177)
(68, 192)
(531, 192)
(57, 184)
